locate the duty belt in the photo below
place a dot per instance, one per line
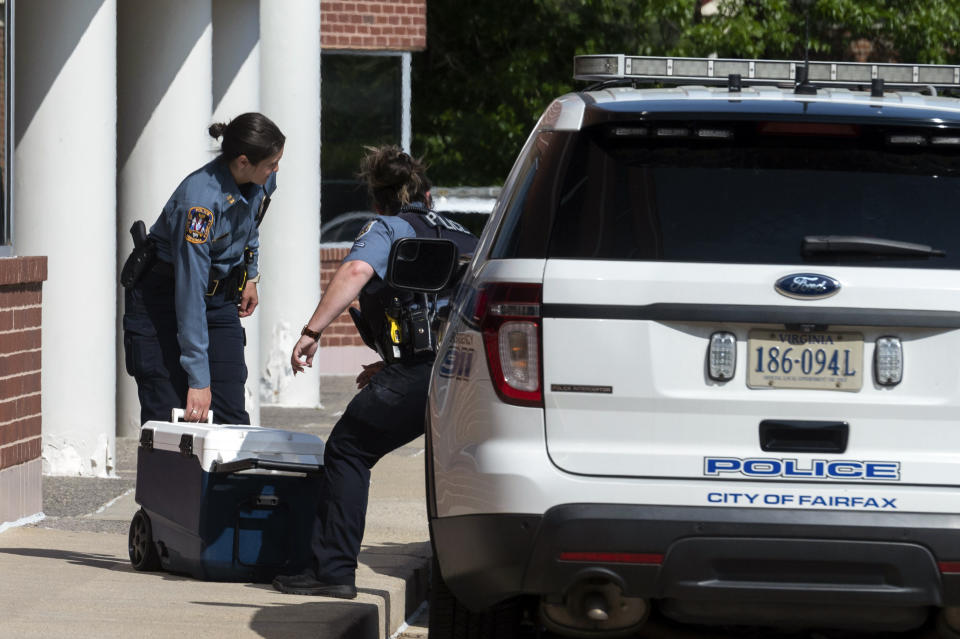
(165, 269)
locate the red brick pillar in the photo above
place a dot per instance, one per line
(341, 331)
(21, 279)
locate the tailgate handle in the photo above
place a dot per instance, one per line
(797, 436)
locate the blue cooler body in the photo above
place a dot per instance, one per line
(226, 503)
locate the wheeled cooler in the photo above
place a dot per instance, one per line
(224, 503)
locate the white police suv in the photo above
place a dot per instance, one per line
(706, 359)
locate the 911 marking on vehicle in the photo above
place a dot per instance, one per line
(840, 469)
(457, 364)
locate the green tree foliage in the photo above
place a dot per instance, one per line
(491, 67)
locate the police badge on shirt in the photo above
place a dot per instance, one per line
(199, 222)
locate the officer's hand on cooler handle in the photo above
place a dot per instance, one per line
(198, 403)
(346, 284)
(249, 299)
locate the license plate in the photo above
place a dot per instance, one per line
(788, 359)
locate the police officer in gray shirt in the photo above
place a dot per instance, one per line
(388, 411)
(182, 333)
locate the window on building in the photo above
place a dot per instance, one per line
(6, 128)
(362, 104)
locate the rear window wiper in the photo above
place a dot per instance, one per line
(813, 244)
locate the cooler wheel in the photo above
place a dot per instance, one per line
(143, 552)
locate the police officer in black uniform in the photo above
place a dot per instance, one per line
(195, 274)
(388, 412)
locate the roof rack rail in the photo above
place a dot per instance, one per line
(669, 70)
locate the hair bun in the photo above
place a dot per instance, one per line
(394, 178)
(216, 130)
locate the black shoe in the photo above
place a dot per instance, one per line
(307, 584)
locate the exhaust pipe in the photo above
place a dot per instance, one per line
(595, 605)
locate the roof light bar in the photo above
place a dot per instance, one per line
(718, 70)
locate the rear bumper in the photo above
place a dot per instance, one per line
(714, 559)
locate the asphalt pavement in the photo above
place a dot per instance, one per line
(69, 574)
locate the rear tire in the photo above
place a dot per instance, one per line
(450, 619)
(140, 546)
(944, 631)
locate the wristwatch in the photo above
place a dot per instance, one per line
(315, 335)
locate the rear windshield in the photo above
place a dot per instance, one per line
(738, 193)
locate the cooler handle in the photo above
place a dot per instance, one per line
(176, 415)
(266, 464)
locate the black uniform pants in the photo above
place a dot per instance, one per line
(386, 414)
(153, 353)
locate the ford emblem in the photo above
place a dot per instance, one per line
(807, 286)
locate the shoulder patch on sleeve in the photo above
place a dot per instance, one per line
(199, 221)
(366, 229)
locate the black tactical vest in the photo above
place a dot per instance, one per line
(387, 312)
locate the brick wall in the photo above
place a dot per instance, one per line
(20, 417)
(383, 25)
(341, 332)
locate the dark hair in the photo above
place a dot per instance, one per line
(394, 179)
(251, 134)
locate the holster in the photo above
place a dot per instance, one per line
(231, 285)
(235, 281)
(141, 257)
(362, 328)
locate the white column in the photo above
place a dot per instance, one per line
(164, 109)
(406, 122)
(236, 90)
(290, 236)
(64, 208)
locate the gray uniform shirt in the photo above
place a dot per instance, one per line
(202, 232)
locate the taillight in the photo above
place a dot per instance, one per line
(508, 315)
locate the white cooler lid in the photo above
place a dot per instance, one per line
(216, 443)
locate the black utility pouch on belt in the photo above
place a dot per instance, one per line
(232, 284)
(141, 258)
(420, 337)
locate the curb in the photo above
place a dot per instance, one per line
(399, 582)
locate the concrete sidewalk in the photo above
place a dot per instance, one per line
(69, 575)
